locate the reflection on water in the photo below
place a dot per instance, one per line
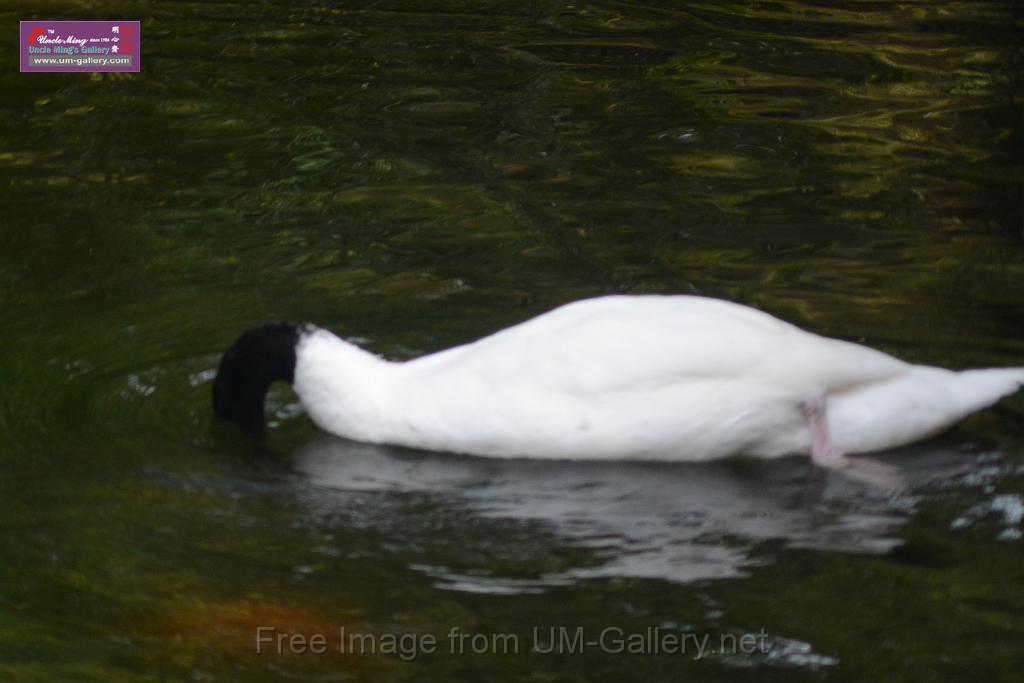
(678, 522)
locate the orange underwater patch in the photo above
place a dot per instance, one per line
(254, 627)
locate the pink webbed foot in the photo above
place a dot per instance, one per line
(823, 453)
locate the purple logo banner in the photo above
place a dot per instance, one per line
(80, 46)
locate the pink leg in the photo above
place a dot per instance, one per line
(823, 453)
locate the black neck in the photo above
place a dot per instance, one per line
(259, 358)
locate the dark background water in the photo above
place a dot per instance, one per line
(414, 175)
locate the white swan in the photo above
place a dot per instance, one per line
(616, 377)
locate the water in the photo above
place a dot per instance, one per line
(414, 176)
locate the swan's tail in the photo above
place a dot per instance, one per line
(978, 389)
(915, 405)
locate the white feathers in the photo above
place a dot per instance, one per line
(661, 377)
(914, 405)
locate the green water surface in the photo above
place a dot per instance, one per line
(417, 174)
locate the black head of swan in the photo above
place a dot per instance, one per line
(259, 358)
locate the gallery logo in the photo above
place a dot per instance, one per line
(57, 46)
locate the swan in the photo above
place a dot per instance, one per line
(658, 377)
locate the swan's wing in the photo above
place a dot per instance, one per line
(627, 343)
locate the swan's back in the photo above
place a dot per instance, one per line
(629, 343)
